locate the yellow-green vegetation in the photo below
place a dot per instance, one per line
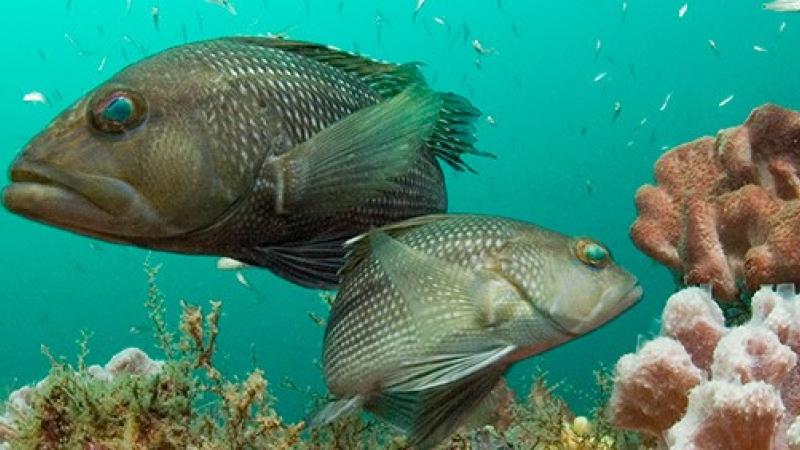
(188, 404)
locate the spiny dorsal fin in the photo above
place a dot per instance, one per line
(359, 246)
(384, 77)
(454, 132)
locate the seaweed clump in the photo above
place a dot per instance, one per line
(182, 402)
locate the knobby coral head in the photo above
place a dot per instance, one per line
(725, 211)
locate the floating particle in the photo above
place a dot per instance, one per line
(629, 144)
(759, 49)
(617, 111)
(783, 5)
(598, 45)
(725, 101)
(782, 27)
(600, 76)
(226, 263)
(34, 97)
(666, 102)
(643, 121)
(682, 11)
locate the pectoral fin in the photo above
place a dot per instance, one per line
(444, 298)
(356, 158)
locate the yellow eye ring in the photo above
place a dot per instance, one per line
(592, 253)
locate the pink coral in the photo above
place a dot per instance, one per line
(744, 396)
(726, 210)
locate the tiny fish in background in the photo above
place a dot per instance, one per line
(481, 49)
(600, 76)
(712, 44)
(617, 111)
(434, 310)
(267, 151)
(226, 4)
(155, 12)
(34, 97)
(598, 47)
(759, 49)
(666, 102)
(682, 10)
(725, 101)
(783, 5)
(418, 8)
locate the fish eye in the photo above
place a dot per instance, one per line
(592, 253)
(118, 112)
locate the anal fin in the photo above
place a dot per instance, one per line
(430, 416)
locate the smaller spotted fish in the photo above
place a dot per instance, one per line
(432, 311)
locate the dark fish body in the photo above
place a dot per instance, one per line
(268, 151)
(432, 311)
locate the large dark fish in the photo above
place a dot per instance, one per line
(269, 151)
(432, 311)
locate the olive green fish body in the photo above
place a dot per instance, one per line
(438, 307)
(269, 151)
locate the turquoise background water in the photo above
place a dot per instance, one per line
(562, 161)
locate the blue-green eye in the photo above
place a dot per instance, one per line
(118, 112)
(592, 253)
(120, 109)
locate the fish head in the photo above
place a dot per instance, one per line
(589, 288)
(131, 161)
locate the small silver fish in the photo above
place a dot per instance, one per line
(783, 5)
(713, 45)
(226, 4)
(481, 49)
(682, 10)
(155, 13)
(725, 101)
(600, 76)
(432, 311)
(666, 102)
(617, 111)
(34, 97)
(418, 8)
(759, 49)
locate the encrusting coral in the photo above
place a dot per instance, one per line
(703, 386)
(184, 402)
(726, 210)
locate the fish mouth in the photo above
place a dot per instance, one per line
(86, 203)
(613, 301)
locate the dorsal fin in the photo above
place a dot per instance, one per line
(454, 133)
(384, 77)
(359, 246)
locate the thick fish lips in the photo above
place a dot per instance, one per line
(613, 301)
(80, 202)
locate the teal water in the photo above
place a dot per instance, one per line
(562, 161)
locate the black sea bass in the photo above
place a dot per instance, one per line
(432, 311)
(268, 151)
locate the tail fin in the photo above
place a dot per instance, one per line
(335, 410)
